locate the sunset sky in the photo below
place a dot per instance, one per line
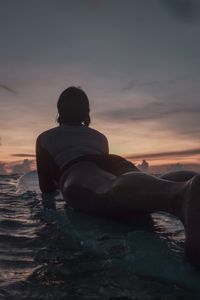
(138, 61)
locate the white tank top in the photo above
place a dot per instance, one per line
(58, 146)
(66, 143)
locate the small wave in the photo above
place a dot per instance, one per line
(14, 224)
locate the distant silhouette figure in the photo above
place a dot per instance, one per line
(144, 166)
(75, 159)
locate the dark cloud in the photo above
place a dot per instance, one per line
(23, 155)
(182, 153)
(177, 118)
(151, 111)
(7, 88)
(183, 9)
(136, 83)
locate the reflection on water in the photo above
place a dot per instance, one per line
(18, 233)
(54, 253)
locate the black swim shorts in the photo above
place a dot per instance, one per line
(111, 163)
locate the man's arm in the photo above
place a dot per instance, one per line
(106, 145)
(47, 169)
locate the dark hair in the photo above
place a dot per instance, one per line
(73, 107)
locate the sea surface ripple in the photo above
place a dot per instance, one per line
(41, 257)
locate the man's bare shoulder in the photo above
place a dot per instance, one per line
(48, 132)
(70, 129)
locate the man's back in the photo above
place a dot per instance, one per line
(66, 143)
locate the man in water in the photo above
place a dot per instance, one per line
(75, 158)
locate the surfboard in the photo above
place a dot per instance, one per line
(152, 247)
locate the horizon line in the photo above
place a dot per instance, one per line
(164, 154)
(152, 155)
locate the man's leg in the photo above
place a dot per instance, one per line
(179, 176)
(92, 190)
(140, 192)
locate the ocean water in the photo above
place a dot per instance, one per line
(50, 252)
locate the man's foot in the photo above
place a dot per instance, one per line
(192, 221)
